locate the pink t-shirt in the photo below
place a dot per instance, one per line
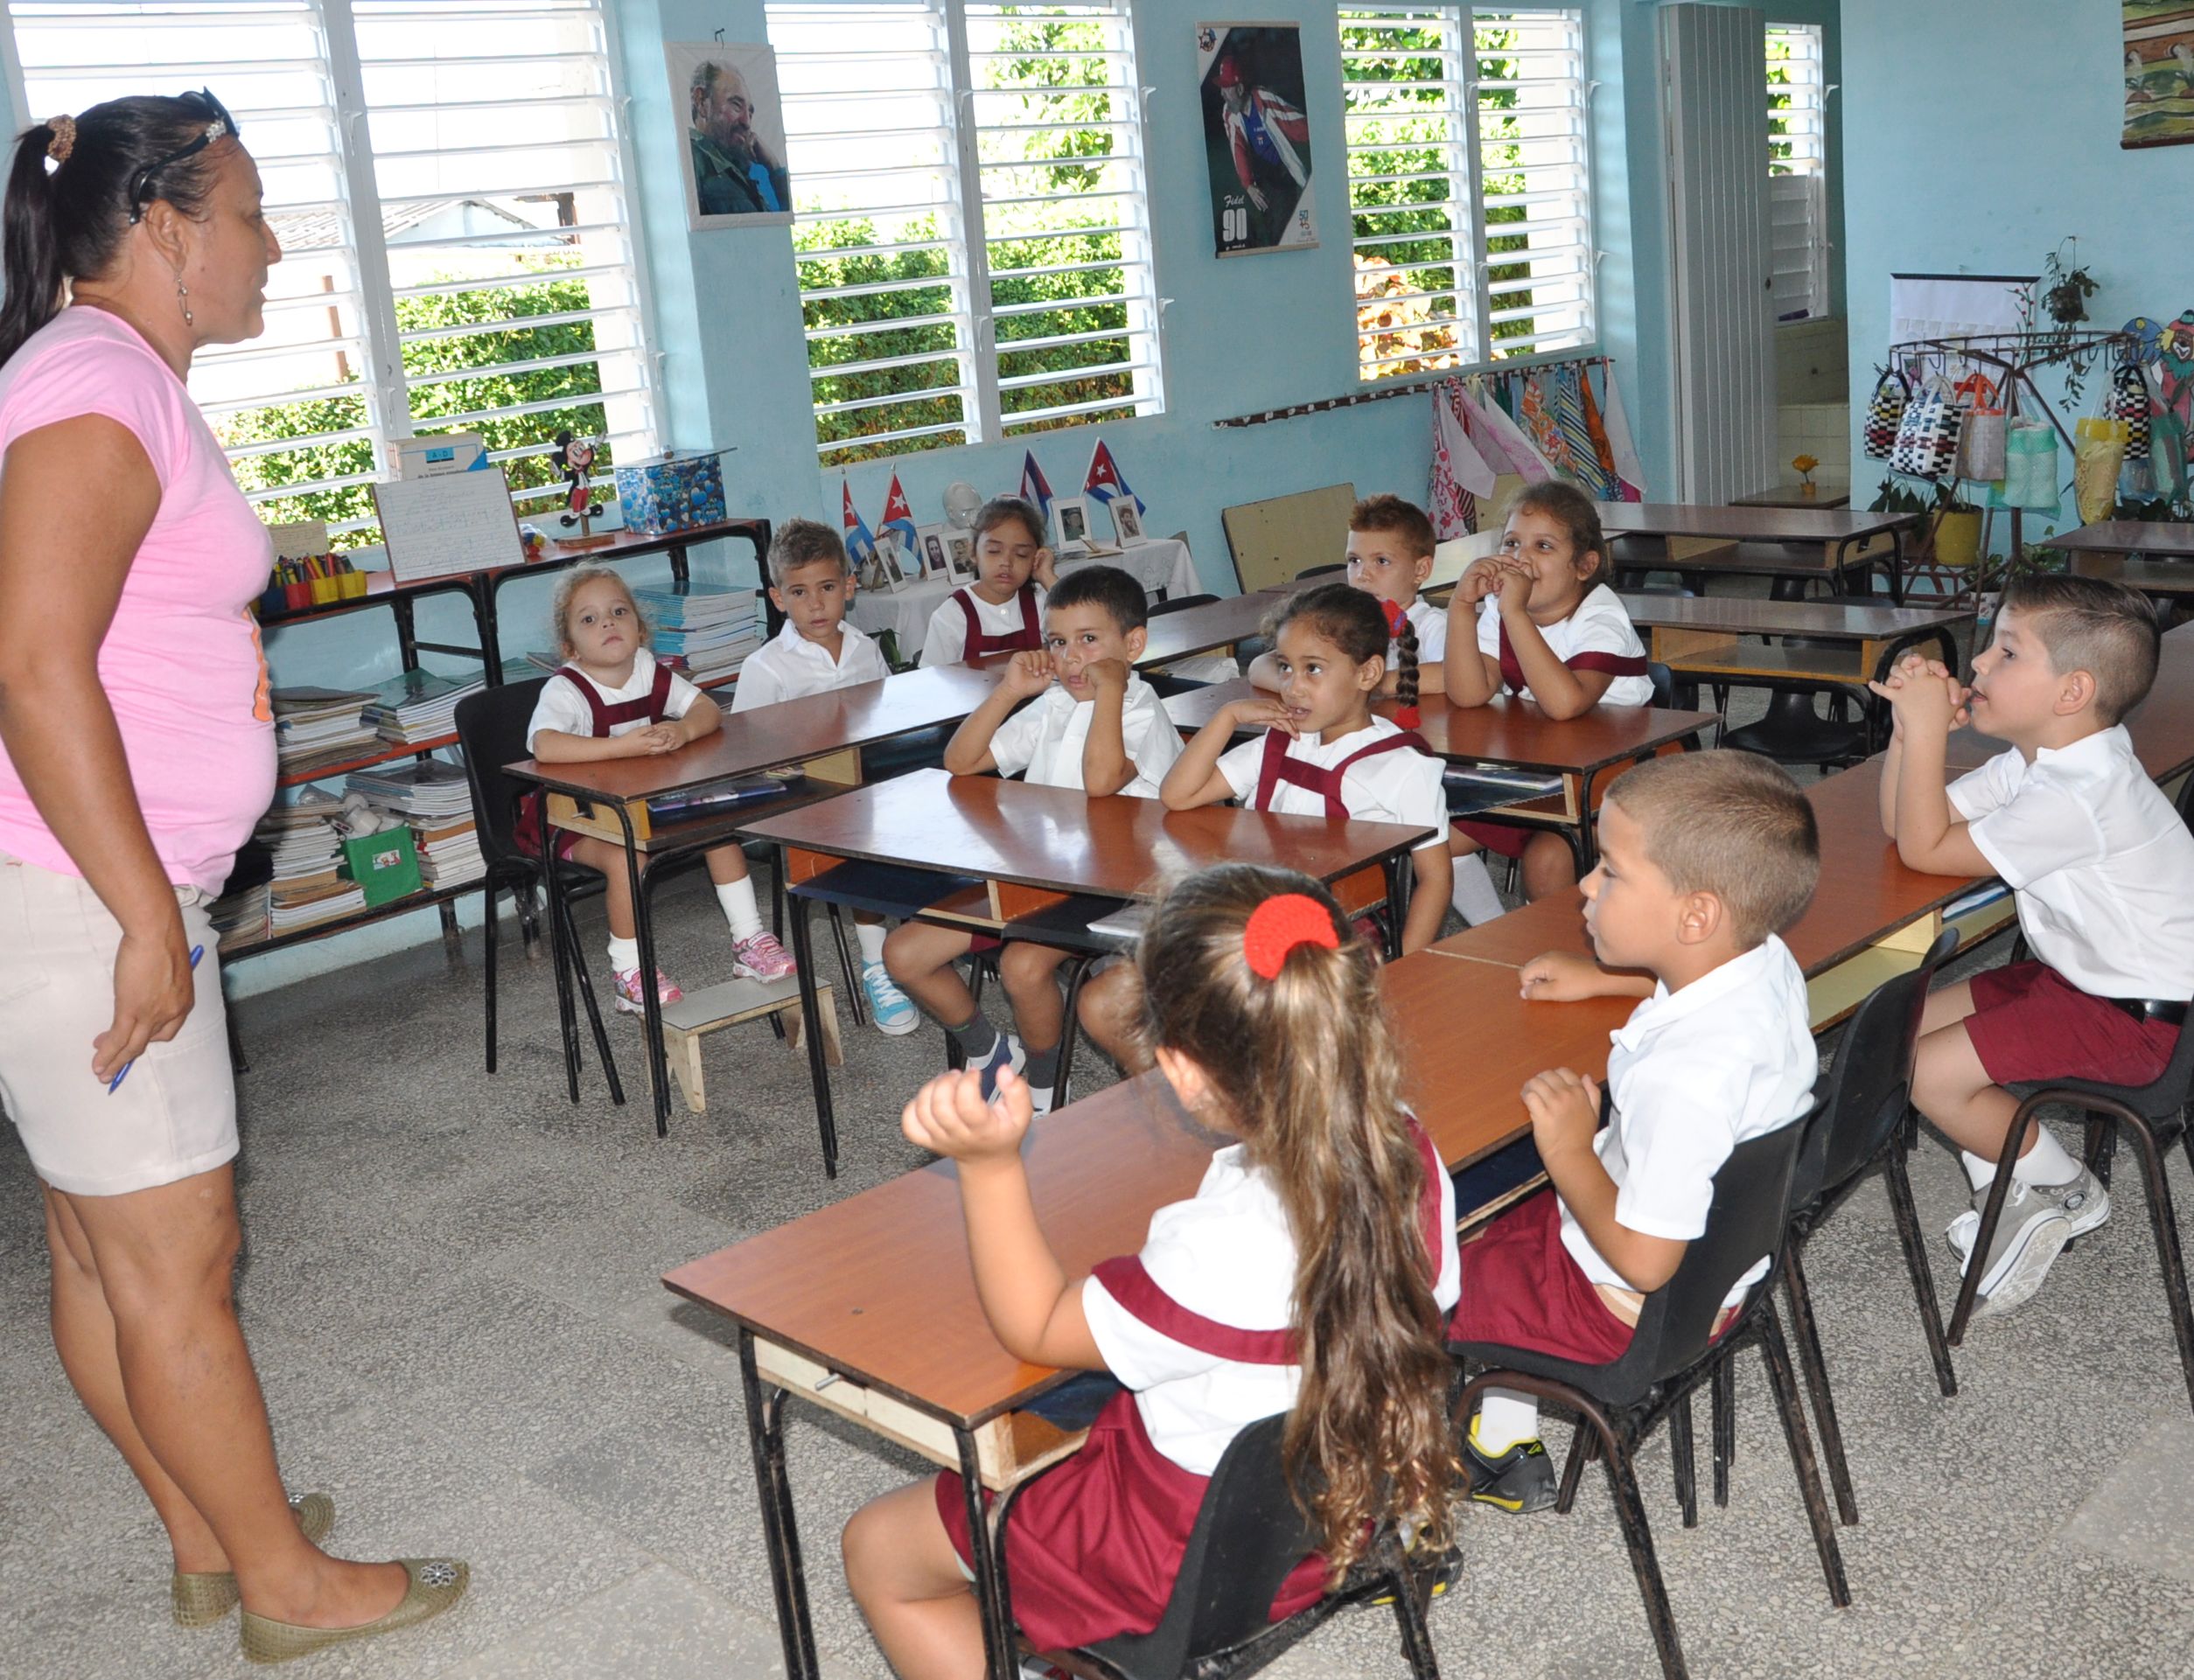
(181, 661)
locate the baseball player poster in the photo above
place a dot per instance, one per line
(1256, 139)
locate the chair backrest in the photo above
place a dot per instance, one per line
(1310, 572)
(1663, 681)
(1272, 541)
(491, 730)
(1747, 1219)
(1249, 1536)
(1869, 1081)
(1181, 603)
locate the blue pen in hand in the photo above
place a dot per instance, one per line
(114, 1084)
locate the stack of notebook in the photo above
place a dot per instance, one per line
(306, 888)
(419, 706)
(434, 798)
(713, 631)
(240, 918)
(318, 727)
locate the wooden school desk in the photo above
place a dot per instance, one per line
(990, 852)
(2158, 540)
(868, 1308)
(821, 736)
(1511, 734)
(1203, 629)
(1765, 541)
(1826, 496)
(1704, 636)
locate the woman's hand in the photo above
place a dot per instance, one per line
(153, 994)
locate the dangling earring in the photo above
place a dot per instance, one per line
(183, 296)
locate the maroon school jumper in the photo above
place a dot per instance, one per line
(1501, 838)
(1277, 766)
(1027, 639)
(649, 708)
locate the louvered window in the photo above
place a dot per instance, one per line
(1797, 172)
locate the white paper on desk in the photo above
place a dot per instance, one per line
(454, 522)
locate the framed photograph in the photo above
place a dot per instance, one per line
(1070, 515)
(1256, 138)
(960, 555)
(931, 540)
(891, 562)
(1126, 524)
(733, 151)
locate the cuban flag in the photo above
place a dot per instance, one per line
(860, 546)
(898, 517)
(1104, 481)
(1035, 489)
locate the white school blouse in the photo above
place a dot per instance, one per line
(1046, 737)
(1599, 625)
(946, 640)
(563, 708)
(1401, 786)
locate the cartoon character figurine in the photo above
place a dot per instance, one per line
(576, 456)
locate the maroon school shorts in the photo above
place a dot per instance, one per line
(2029, 1024)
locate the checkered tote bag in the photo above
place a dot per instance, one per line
(1926, 443)
(2128, 401)
(1884, 410)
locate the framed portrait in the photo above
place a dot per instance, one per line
(1126, 524)
(733, 148)
(1070, 515)
(960, 554)
(1256, 138)
(893, 561)
(930, 539)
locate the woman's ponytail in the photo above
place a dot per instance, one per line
(29, 243)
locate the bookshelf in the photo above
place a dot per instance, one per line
(482, 590)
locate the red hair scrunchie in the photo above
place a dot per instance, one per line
(1281, 923)
(1408, 717)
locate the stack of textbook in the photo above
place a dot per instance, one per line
(711, 631)
(318, 727)
(307, 889)
(419, 706)
(433, 797)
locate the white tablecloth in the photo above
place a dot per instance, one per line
(1161, 563)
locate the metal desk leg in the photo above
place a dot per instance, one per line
(1397, 901)
(788, 1578)
(650, 1004)
(558, 931)
(811, 1016)
(1000, 1661)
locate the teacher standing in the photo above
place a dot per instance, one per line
(137, 751)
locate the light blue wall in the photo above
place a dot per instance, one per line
(1242, 335)
(1961, 194)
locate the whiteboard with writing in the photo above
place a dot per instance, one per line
(458, 522)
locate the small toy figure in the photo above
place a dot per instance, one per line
(531, 540)
(576, 456)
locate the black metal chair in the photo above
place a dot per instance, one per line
(1249, 1536)
(1794, 733)
(1860, 1126)
(1181, 604)
(1673, 1351)
(491, 730)
(1310, 572)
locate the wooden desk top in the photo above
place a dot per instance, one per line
(1745, 616)
(2127, 537)
(2164, 573)
(1747, 524)
(1505, 731)
(879, 1287)
(790, 732)
(1215, 625)
(1062, 840)
(1795, 496)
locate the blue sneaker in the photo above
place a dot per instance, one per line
(1007, 1053)
(891, 1009)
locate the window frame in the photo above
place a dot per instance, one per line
(967, 240)
(1806, 162)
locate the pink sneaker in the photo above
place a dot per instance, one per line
(759, 956)
(628, 990)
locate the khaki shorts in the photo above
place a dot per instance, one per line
(175, 1115)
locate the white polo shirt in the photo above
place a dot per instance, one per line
(2103, 868)
(1691, 1075)
(1431, 625)
(1198, 1322)
(789, 667)
(946, 640)
(1401, 786)
(1599, 625)
(563, 708)
(1046, 737)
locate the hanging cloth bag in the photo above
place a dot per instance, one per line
(1884, 411)
(2099, 453)
(2129, 402)
(1927, 435)
(2030, 469)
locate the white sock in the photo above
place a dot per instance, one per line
(737, 899)
(624, 955)
(1474, 899)
(870, 934)
(1504, 1418)
(2048, 1162)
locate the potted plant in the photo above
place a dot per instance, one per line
(1806, 463)
(1956, 537)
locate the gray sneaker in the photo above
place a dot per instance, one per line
(2037, 1221)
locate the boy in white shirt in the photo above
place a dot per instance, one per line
(2104, 872)
(1704, 859)
(1002, 611)
(1092, 724)
(811, 584)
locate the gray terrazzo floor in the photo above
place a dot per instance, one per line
(451, 1291)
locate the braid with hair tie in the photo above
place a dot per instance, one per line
(64, 140)
(1404, 635)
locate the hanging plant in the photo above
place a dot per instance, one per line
(2053, 309)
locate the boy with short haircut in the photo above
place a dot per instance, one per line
(1704, 859)
(811, 584)
(1092, 724)
(2103, 870)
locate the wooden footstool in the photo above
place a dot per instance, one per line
(698, 1013)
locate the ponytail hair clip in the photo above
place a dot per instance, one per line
(1281, 923)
